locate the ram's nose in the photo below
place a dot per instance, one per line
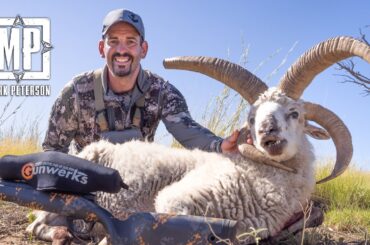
(269, 126)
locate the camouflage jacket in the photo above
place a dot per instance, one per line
(73, 116)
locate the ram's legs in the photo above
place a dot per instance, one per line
(50, 227)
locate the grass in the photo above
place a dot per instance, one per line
(9, 146)
(18, 140)
(349, 220)
(350, 190)
(217, 116)
(347, 199)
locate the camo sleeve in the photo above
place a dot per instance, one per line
(179, 123)
(63, 122)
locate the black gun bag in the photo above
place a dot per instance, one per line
(55, 171)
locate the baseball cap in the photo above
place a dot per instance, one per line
(123, 15)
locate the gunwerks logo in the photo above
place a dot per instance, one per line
(27, 170)
(24, 55)
(31, 169)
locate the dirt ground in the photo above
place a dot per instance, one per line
(13, 222)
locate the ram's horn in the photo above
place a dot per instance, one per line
(338, 132)
(236, 77)
(317, 59)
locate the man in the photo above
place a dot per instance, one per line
(118, 103)
(122, 101)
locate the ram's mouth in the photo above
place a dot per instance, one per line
(273, 145)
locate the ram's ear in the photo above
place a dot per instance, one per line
(316, 132)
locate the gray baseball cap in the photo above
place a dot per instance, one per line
(123, 15)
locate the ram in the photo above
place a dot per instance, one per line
(264, 185)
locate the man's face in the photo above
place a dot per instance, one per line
(123, 49)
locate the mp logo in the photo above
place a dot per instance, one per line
(25, 48)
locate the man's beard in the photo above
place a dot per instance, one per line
(122, 72)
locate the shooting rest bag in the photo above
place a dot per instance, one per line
(56, 171)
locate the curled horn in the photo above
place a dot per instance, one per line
(301, 74)
(236, 77)
(338, 132)
(317, 59)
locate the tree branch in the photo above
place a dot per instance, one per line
(353, 76)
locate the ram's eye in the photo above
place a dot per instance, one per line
(294, 115)
(251, 121)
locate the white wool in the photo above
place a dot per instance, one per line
(181, 181)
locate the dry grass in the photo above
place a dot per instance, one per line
(21, 139)
(9, 146)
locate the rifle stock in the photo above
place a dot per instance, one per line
(138, 228)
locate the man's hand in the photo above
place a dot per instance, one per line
(229, 144)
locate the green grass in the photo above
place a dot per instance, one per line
(349, 220)
(350, 190)
(347, 198)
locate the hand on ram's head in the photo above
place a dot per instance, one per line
(230, 144)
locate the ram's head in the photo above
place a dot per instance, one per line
(278, 118)
(277, 125)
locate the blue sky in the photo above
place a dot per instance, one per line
(210, 28)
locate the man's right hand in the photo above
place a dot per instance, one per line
(229, 144)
